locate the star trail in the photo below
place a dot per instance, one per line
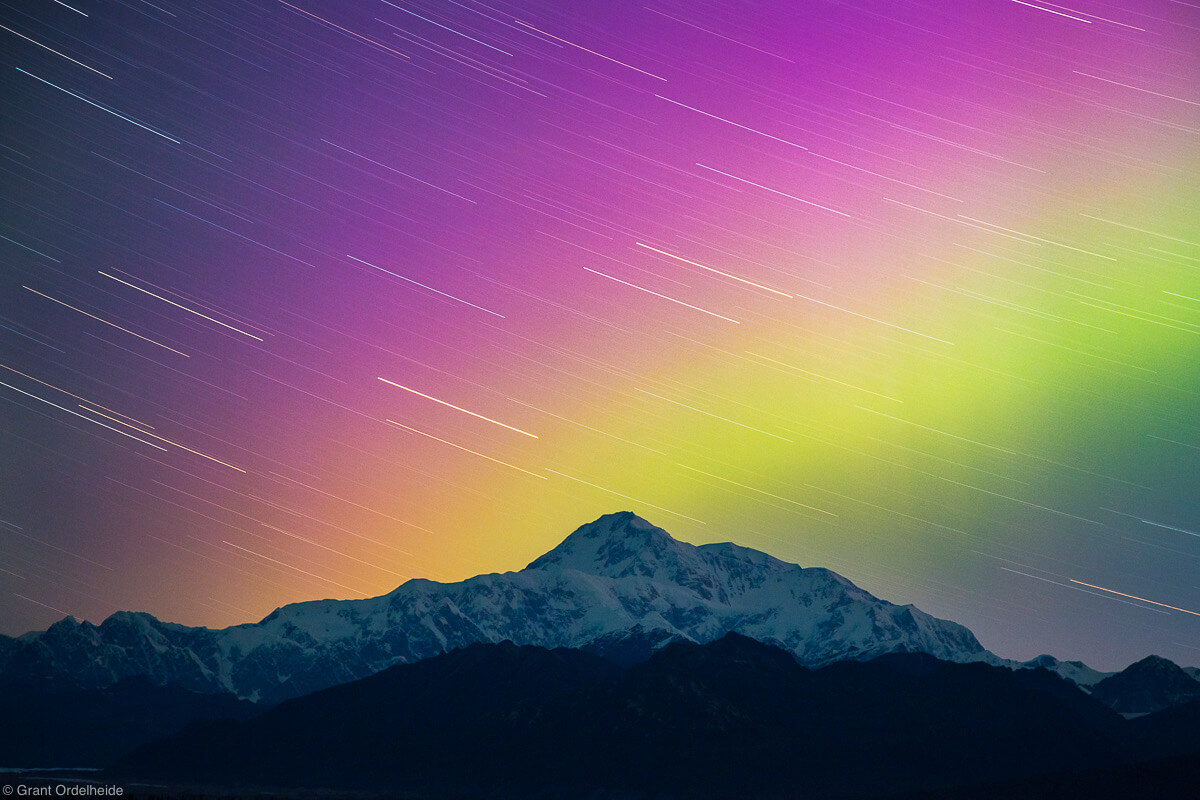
(300, 300)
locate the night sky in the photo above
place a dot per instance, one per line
(301, 300)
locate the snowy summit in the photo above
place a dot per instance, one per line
(614, 579)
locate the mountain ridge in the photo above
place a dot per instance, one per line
(609, 576)
(732, 717)
(618, 585)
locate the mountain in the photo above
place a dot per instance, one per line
(1174, 731)
(1169, 778)
(1149, 685)
(729, 718)
(53, 724)
(1076, 672)
(618, 582)
(1152, 684)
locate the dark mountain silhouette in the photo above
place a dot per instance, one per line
(52, 723)
(731, 718)
(1173, 778)
(1151, 684)
(1172, 731)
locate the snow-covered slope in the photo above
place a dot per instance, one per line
(1075, 671)
(608, 578)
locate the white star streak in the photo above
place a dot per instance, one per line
(872, 319)
(999, 449)
(1135, 597)
(458, 408)
(663, 296)
(350, 502)
(347, 30)
(760, 491)
(823, 377)
(423, 286)
(711, 269)
(177, 305)
(467, 450)
(729, 122)
(1038, 238)
(168, 441)
(81, 416)
(714, 416)
(106, 322)
(52, 50)
(76, 10)
(593, 52)
(77, 397)
(443, 27)
(1137, 89)
(331, 550)
(43, 605)
(1052, 11)
(1141, 230)
(398, 172)
(627, 497)
(102, 108)
(1170, 528)
(776, 191)
(289, 566)
(1076, 588)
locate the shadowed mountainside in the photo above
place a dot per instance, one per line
(49, 724)
(731, 718)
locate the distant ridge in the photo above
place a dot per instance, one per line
(612, 579)
(619, 587)
(732, 718)
(1152, 684)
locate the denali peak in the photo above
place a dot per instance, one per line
(613, 578)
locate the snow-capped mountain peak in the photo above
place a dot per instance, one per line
(1075, 671)
(619, 581)
(616, 545)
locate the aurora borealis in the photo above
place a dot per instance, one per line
(301, 300)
